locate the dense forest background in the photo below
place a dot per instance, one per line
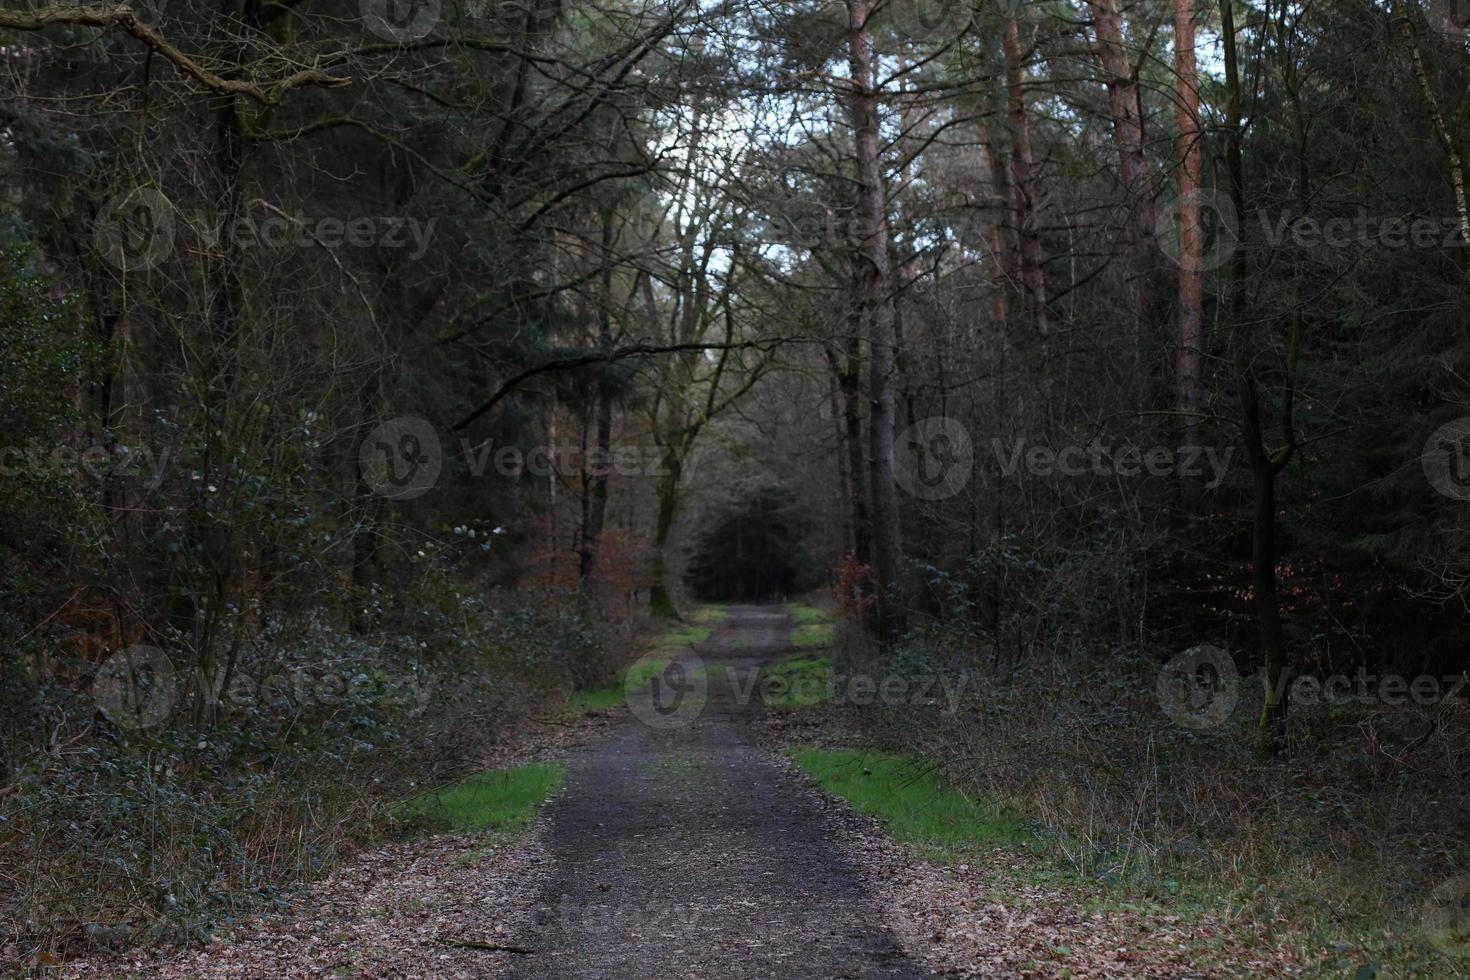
(409, 357)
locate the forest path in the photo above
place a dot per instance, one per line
(681, 849)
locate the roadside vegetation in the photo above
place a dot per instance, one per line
(113, 836)
(796, 682)
(667, 643)
(915, 805)
(1075, 768)
(812, 627)
(502, 801)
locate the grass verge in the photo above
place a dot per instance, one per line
(684, 636)
(596, 699)
(811, 627)
(796, 682)
(915, 804)
(1139, 808)
(710, 615)
(501, 802)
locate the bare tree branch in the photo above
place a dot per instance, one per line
(127, 19)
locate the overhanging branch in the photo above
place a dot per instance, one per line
(587, 358)
(125, 18)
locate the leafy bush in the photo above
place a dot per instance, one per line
(109, 836)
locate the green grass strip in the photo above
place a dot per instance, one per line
(635, 676)
(802, 615)
(710, 615)
(812, 636)
(502, 801)
(684, 636)
(917, 807)
(811, 628)
(796, 682)
(596, 699)
(640, 673)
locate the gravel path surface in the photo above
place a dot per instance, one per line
(680, 848)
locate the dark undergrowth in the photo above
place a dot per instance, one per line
(113, 836)
(1350, 843)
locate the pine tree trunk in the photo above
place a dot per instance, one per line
(595, 482)
(1191, 250)
(887, 543)
(660, 597)
(1125, 108)
(1023, 172)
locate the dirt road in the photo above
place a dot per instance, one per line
(680, 849)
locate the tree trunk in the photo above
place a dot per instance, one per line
(1191, 251)
(220, 547)
(1441, 130)
(595, 481)
(1023, 171)
(992, 230)
(1126, 110)
(1263, 562)
(847, 369)
(887, 542)
(660, 598)
(1265, 465)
